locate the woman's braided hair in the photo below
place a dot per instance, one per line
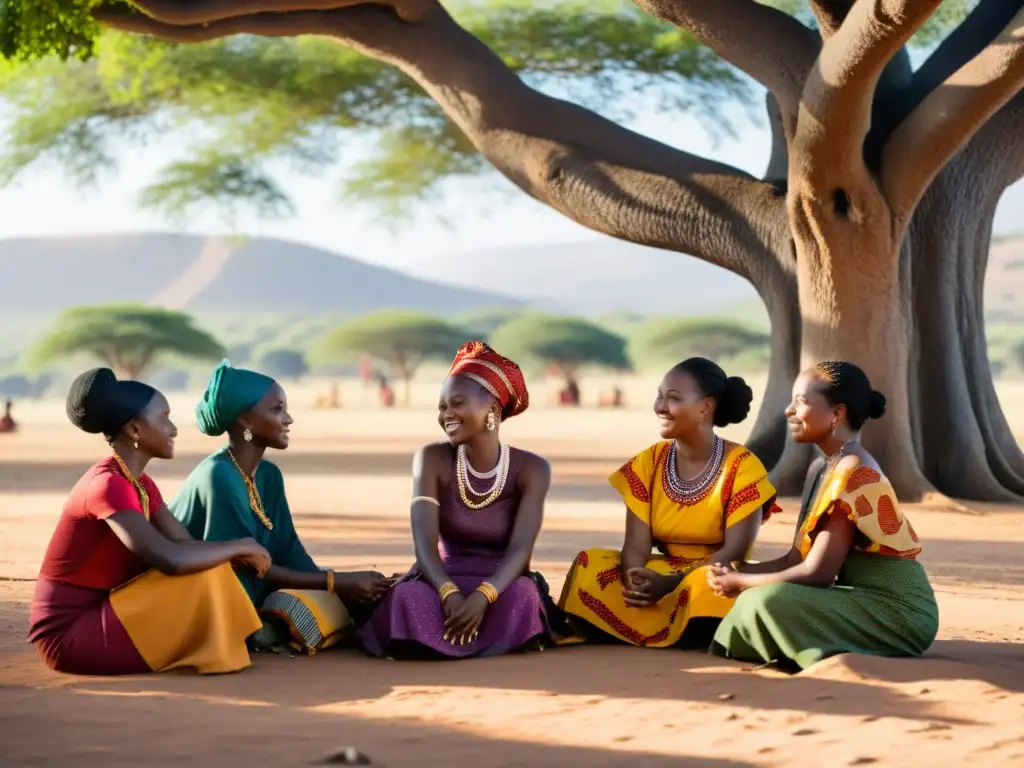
(846, 384)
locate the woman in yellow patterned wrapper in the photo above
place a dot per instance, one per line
(696, 497)
(851, 582)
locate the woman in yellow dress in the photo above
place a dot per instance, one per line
(696, 497)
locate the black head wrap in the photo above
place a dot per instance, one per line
(99, 403)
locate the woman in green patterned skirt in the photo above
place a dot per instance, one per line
(851, 582)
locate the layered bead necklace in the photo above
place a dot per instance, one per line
(255, 502)
(463, 470)
(690, 491)
(139, 489)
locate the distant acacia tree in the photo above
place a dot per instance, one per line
(283, 364)
(669, 340)
(401, 339)
(567, 343)
(126, 337)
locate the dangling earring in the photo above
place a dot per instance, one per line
(490, 422)
(247, 435)
(833, 428)
(136, 443)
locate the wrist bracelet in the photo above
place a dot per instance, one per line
(488, 590)
(330, 580)
(447, 590)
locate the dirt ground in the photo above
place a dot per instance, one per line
(347, 477)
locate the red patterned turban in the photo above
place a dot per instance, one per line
(498, 375)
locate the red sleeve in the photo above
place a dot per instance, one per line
(156, 500)
(109, 493)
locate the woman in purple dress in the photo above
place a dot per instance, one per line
(476, 512)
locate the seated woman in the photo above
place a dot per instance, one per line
(476, 512)
(851, 583)
(235, 492)
(7, 423)
(123, 588)
(697, 497)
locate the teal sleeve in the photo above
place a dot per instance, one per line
(288, 551)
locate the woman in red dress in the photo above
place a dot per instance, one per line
(123, 587)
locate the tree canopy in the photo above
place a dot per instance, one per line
(127, 338)
(570, 343)
(283, 364)
(666, 341)
(400, 339)
(258, 108)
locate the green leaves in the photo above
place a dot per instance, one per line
(568, 342)
(252, 109)
(31, 29)
(400, 338)
(125, 337)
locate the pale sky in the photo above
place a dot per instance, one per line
(43, 204)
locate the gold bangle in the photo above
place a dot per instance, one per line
(430, 499)
(488, 590)
(330, 580)
(447, 590)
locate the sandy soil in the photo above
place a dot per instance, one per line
(347, 476)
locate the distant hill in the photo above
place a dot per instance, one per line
(596, 277)
(223, 275)
(610, 276)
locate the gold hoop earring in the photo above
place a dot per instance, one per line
(247, 435)
(490, 422)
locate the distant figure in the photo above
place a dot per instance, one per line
(570, 395)
(332, 400)
(613, 400)
(7, 423)
(387, 394)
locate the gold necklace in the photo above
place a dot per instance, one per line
(143, 496)
(255, 503)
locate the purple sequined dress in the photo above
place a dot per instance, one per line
(472, 546)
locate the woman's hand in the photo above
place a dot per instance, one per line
(252, 555)
(645, 587)
(361, 586)
(464, 625)
(451, 606)
(724, 581)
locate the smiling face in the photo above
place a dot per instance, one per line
(810, 415)
(269, 419)
(153, 429)
(680, 405)
(463, 407)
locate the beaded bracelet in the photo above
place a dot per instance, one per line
(447, 590)
(488, 590)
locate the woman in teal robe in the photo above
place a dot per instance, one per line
(235, 492)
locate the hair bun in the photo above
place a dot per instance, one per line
(876, 405)
(88, 399)
(734, 405)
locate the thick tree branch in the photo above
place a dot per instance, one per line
(590, 169)
(768, 44)
(187, 12)
(947, 118)
(830, 15)
(262, 24)
(985, 21)
(835, 112)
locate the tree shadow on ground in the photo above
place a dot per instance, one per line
(138, 724)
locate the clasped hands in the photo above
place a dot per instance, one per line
(463, 615)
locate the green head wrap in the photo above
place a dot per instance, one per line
(230, 393)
